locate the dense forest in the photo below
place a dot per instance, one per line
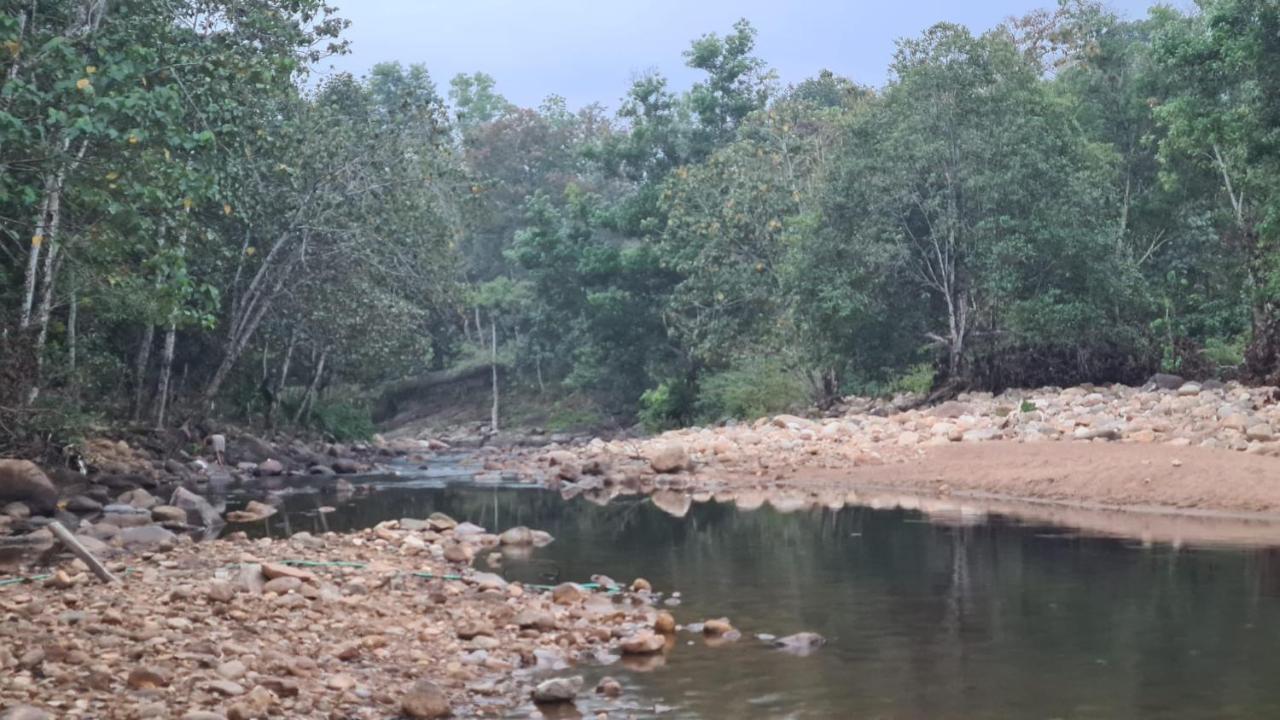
(195, 222)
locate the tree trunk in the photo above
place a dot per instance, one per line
(283, 380)
(46, 226)
(140, 363)
(166, 368)
(42, 316)
(73, 316)
(304, 408)
(493, 365)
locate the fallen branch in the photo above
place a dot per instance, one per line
(79, 551)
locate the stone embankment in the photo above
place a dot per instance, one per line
(1186, 445)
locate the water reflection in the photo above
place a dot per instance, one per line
(933, 608)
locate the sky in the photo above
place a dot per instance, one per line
(589, 50)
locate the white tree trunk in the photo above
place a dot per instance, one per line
(166, 369)
(493, 366)
(304, 407)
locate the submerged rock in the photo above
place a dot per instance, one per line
(558, 690)
(800, 643)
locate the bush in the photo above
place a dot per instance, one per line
(344, 421)
(917, 379)
(750, 389)
(660, 407)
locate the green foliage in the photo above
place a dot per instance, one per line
(750, 389)
(916, 379)
(344, 421)
(665, 406)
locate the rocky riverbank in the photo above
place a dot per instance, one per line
(389, 622)
(1170, 445)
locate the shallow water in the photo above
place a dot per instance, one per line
(989, 620)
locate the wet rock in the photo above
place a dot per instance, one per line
(254, 511)
(321, 470)
(800, 643)
(518, 536)
(425, 699)
(125, 516)
(609, 687)
(270, 468)
(720, 626)
(147, 536)
(17, 510)
(345, 466)
(558, 690)
(665, 623)
(22, 481)
(668, 457)
(199, 511)
(643, 643)
(83, 504)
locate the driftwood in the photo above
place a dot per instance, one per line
(79, 551)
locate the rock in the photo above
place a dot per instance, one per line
(425, 699)
(1189, 389)
(199, 511)
(83, 504)
(459, 553)
(716, 627)
(321, 470)
(1260, 432)
(282, 585)
(279, 570)
(203, 715)
(345, 466)
(124, 516)
(643, 643)
(224, 687)
(609, 687)
(22, 481)
(254, 511)
(665, 623)
(565, 464)
(440, 522)
(231, 670)
(146, 678)
(1164, 381)
(541, 538)
(950, 410)
(568, 594)
(270, 468)
(675, 504)
(220, 591)
(800, 643)
(147, 536)
(17, 510)
(257, 705)
(25, 712)
(517, 536)
(536, 619)
(138, 498)
(558, 690)
(249, 578)
(641, 585)
(668, 457)
(489, 581)
(168, 514)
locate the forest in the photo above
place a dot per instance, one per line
(195, 222)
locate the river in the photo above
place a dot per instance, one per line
(974, 617)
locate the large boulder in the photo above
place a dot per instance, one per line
(199, 511)
(668, 457)
(22, 481)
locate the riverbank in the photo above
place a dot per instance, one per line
(391, 621)
(1182, 449)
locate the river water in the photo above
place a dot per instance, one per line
(981, 619)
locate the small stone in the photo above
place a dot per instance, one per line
(643, 643)
(282, 585)
(224, 687)
(220, 591)
(558, 690)
(568, 594)
(720, 626)
(609, 687)
(425, 699)
(641, 585)
(232, 670)
(146, 678)
(665, 623)
(517, 536)
(537, 619)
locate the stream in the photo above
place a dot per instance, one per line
(988, 617)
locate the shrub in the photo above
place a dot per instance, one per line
(750, 389)
(344, 421)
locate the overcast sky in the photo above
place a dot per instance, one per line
(588, 50)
